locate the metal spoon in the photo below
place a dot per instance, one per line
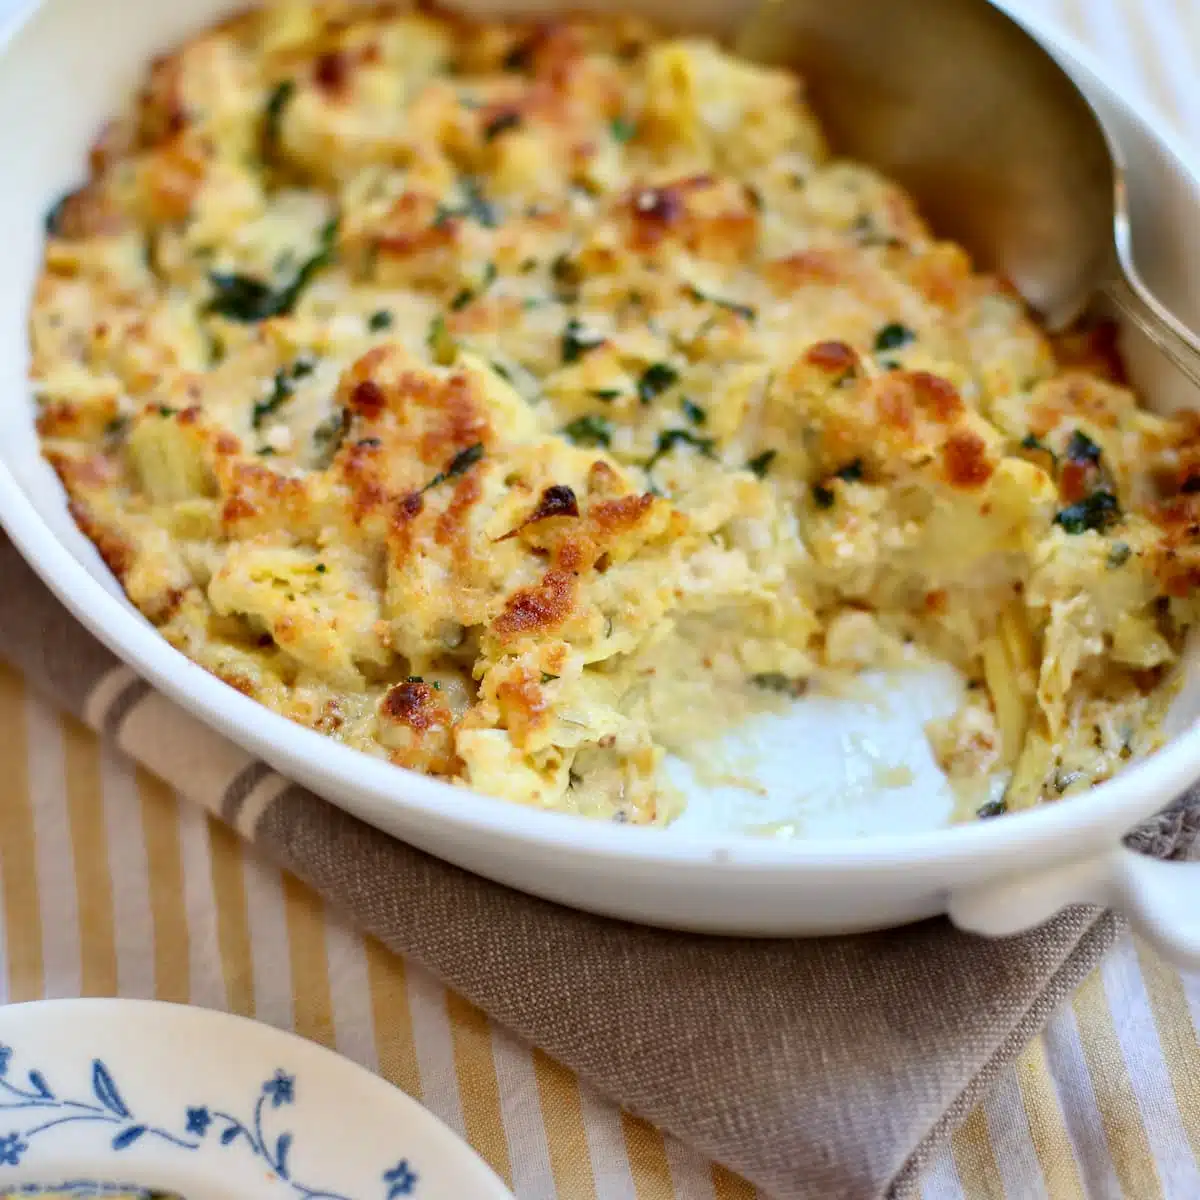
(1001, 150)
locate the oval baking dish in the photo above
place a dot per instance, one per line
(995, 876)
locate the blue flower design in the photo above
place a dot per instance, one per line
(5, 1055)
(281, 1089)
(198, 1121)
(12, 1146)
(401, 1180)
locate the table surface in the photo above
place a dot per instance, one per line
(110, 886)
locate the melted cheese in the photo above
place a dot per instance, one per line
(518, 403)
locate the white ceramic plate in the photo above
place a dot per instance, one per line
(871, 856)
(97, 1095)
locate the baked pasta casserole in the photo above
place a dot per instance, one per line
(525, 402)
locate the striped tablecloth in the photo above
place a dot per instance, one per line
(111, 886)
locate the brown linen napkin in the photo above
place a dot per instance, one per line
(826, 1068)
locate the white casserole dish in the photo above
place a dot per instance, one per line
(69, 66)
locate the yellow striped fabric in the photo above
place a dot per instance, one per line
(110, 886)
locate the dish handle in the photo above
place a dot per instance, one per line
(1161, 900)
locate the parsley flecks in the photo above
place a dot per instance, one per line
(548, 678)
(655, 380)
(622, 129)
(321, 568)
(1031, 442)
(1081, 449)
(281, 392)
(823, 497)
(378, 321)
(118, 427)
(760, 464)
(241, 298)
(852, 472)
(578, 341)
(281, 95)
(590, 430)
(468, 295)
(501, 124)
(1096, 512)
(670, 438)
(441, 342)
(746, 311)
(460, 464)
(774, 681)
(892, 336)
(608, 395)
(693, 411)
(475, 206)
(329, 435)
(1119, 554)
(993, 808)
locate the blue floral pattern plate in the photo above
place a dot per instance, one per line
(100, 1097)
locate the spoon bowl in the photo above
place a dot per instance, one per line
(958, 102)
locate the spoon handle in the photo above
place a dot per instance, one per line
(1171, 336)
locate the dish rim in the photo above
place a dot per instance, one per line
(1137, 792)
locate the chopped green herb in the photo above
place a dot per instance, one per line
(165, 410)
(774, 681)
(415, 679)
(528, 265)
(578, 341)
(1030, 442)
(1064, 779)
(693, 412)
(852, 472)
(329, 435)
(753, 197)
(590, 430)
(867, 233)
(369, 443)
(547, 677)
(893, 336)
(467, 295)
(655, 380)
(823, 497)
(321, 568)
(566, 273)
(1081, 449)
(117, 427)
(378, 321)
(441, 342)
(475, 205)
(623, 130)
(1119, 554)
(760, 464)
(670, 438)
(501, 124)
(460, 464)
(303, 366)
(1098, 511)
(281, 392)
(279, 99)
(606, 394)
(993, 808)
(265, 452)
(241, 298)
(501, 370)
(745, 311)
